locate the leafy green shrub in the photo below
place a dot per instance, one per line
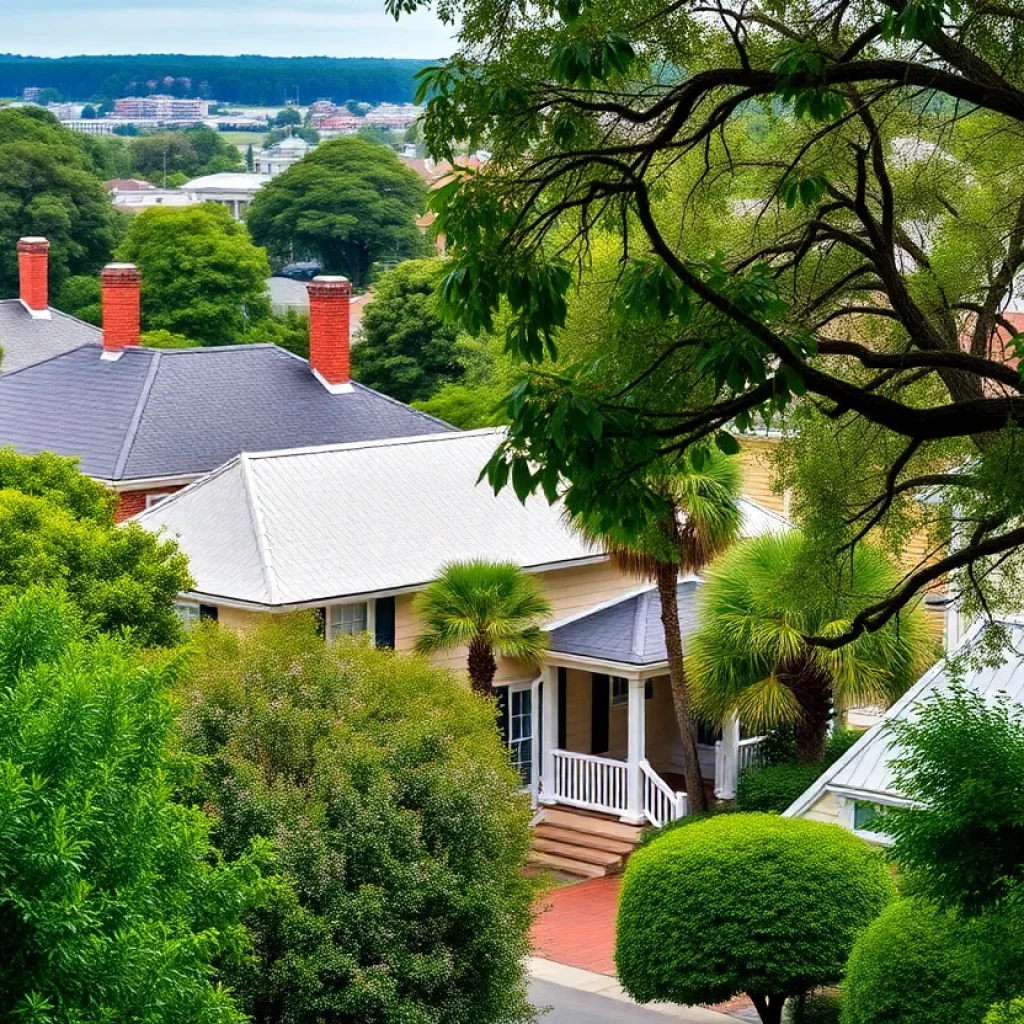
(395, 813)
(779, 747)
(815, 1008)
(771, 790)
(648, 836)
(57, 530)
(1006, 1013)
(917, 964)
(838, 743)
(113, 905)
(748, 903)
(962, 764)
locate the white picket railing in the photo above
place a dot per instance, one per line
(750, 754)
(661, 804)
(593, 783)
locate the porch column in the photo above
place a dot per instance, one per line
(727, 760)
(635, 752)
(549, 734)
(538, 738)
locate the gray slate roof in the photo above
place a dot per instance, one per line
(26, 341)
(181, 412)
(628, 630)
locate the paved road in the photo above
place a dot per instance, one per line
(570, 1006)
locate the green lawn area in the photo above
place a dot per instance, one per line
(243, 139)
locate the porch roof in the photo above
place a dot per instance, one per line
(627, 631)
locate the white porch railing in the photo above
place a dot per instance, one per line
(593, 783)
(661, 804)
(729, 769)
(750, 754)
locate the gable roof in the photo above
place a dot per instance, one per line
(26, 340)
(280, 529)
(865, 769)
(158, 413)
(628, 630)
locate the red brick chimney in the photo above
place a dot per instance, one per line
(34, 271)
(329, 300)
(121, 283)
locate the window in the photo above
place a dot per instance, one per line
(618, 691)
(188, 613)
(348, 620)
(708, 735)
(867, 817)
(520, 732)
(155, 499)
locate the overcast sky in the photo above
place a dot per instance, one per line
(332, 28)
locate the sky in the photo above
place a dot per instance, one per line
(276, 28)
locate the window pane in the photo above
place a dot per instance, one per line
(188, 613)
(867, 816)
(349, 619)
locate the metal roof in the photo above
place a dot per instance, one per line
(183, 412)
(865, 768)
(309, 526)
(26, 340)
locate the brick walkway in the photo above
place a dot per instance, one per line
(575, 925)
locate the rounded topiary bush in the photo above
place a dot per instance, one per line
(919, 965)
(772, 789)
(748, 903)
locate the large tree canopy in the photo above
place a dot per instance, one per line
(825, 204)
(201, 274)
(349, 203)
(49, 187)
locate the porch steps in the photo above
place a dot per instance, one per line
(581, 843)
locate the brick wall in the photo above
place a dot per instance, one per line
(33, 267)
(121, 283)
(329, 328)
(130, 503)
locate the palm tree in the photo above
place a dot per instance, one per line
(749, 656)
(491, 608)
(700, 519)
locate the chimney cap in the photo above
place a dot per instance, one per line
(120, 272)
(33, 242)
(329, 283)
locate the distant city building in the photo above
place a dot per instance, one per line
(340, 124)
(279, 157)
(91, 126)
(163, 108)
(32, 94)
(394, 116)
(232, 189)
(66, 111)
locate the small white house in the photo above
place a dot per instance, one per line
(858, 788)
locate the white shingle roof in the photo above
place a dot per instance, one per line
(285, 528)
(865, 768)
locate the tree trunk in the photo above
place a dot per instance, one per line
(813, 692)
(769, 1008)
(696, 797)
(482, 666)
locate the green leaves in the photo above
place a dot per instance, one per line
(805, 191)
(581, 62)
(649, 288)
(798, 69)
(919, 19)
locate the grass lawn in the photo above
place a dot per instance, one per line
(243, 139)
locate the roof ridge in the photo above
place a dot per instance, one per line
(260, 530)
(140, 406)
(49, 359)
(643, 603)
(382, 442)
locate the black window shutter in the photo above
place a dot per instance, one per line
(208, 611)
(501, 695)
(601, 690)
(384, 622)
(320, 616)
(562, 704)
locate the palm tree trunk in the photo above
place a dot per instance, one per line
(813, 693)
(482, 666)
(666, 579)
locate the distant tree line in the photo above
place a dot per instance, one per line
(252, 80)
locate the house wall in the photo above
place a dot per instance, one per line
(568, 590)
(236, 618)
(130, 503)
(825, 808)
(755, 464)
